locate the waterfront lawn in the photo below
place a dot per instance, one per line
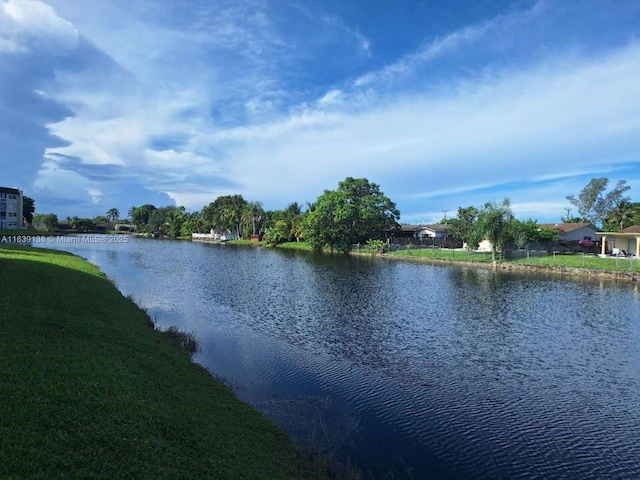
(242, 241)
(443, 254)
(285, 245)
(295, 246)
(88, 389)
(591, 262)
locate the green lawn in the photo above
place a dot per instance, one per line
(295, 246)
(442, 254)
(241, 241)
(88, 389)
(590, 262)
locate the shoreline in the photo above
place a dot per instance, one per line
(555, 270)
(91, 389)
(506, 265)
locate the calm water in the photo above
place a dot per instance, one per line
(407, 370)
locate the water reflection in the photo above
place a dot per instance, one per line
(413, 371)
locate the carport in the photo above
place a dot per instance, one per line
(627, 240)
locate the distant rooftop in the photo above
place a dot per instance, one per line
(566, 227)
(14, 191)
(631, 229)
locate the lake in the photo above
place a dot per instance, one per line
(407, 370)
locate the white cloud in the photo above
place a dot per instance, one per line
(439, 47)
(510, 127)
(95, 194)
(27, 25)
(65, 184)
(331, 97)
(207, 106)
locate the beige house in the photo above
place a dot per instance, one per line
(627, 239)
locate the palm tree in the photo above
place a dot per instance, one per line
(113, 214)
(492, 224)
(251, 215)
(623, 215)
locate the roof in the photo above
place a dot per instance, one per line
(438, 227)
(10, 190)
(567, 227)
(631, 229)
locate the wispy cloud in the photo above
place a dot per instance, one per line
(451, 44)
(131, 103)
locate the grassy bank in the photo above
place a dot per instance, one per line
(295, 246)
(89, 390)
(286, 245)
(578, 261)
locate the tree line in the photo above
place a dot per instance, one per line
(352, 213)
(358, 211)
(611, 211)
(78, 224)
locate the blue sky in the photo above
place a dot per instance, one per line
(116, 103)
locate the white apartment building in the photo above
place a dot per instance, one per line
(10, 208)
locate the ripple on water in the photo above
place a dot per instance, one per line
(413, 371)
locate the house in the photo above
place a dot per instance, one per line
(433, 231)
(574, 231)
(575, 234)
(405, 231)
(11, 215)
(422, 231)
(627, 239)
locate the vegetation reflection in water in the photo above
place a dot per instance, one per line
(411, 371)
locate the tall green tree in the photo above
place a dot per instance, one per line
(594, 204)
(251, 217)
(28, 209)
(140, 216)
(353, 213)
(493, 224)
(528, 231)
(174, 218)
(83, 224)
(49, 220)
(463, 227)
(193, 223)
(225, 213)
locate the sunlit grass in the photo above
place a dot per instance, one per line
(295, 246)
(590, 262)
(442, 254)
(88, 389)
(586, 261)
